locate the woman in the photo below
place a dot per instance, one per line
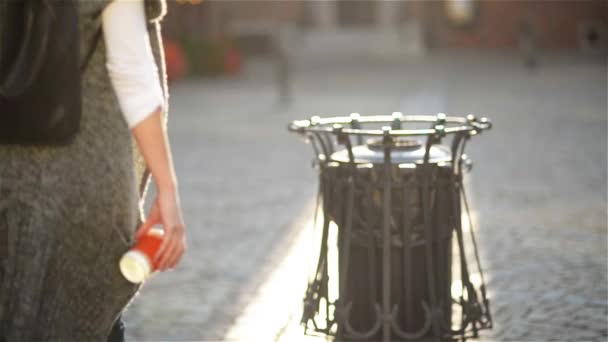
(68, 213)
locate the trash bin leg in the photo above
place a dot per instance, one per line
(386, 247)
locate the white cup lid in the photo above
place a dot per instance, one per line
(135, 266)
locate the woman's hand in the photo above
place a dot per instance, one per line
(153, 141)
(166, 211)
(134, 76)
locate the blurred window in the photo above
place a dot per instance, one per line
(357, 13)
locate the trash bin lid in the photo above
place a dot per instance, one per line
(404, 150)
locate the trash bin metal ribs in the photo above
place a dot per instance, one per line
(399, 196)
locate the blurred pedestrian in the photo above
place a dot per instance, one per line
(68, 213)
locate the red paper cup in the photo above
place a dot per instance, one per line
(136, 265)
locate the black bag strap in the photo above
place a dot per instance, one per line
(30, 55)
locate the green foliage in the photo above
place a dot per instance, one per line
(205, 57)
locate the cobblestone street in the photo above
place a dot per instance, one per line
(538, 192)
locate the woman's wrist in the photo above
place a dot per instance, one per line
(167, 186)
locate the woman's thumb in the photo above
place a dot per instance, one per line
(152, 219)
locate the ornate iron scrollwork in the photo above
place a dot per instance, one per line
(397, 205)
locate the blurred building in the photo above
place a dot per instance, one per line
(394, 26)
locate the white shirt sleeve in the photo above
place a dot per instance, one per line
(130, 62)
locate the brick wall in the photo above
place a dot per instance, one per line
(207, 19)
(498, 24)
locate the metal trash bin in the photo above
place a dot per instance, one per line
(395, 199)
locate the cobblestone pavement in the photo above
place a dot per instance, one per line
(538, 191)
(243, 181)
(540, 194)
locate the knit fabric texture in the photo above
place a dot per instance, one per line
(68, 213)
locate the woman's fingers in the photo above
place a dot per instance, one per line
(173, 245)
(178, 251)
(175, 256)
(174, 249)
(162, 250)
(167, 255)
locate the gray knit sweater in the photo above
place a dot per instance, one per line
(67, 214)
